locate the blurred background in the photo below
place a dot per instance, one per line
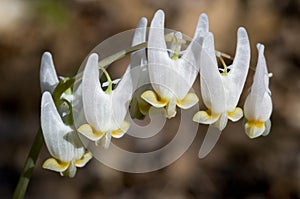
(266, 167)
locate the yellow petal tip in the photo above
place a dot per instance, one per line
(89, 132)
(55, 165)
(188, 101)
(205, 117)
(150, 97)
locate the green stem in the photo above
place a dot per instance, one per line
(109, 88)
(29, 166)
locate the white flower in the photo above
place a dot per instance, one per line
(258, 104)
(221, 91)
(104, 110)
(172, 76)
(61, 140)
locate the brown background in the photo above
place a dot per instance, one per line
(238, 167)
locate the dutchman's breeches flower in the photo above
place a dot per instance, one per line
(62, 141)
(221, 91)
(104, 110)
(172, 76)
(258, 104)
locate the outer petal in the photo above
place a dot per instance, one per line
(258, 105)
(121, 131)
(157, 49)
(206, 117)
(139, 37)
(91, 133)
(97, 104)
(48, 76)
(191, 59)
(55, 165)
(121, 97)
(139, 69)
(85, 158)
(254, 129)
(238, 70)
(258, 110)
(212, 89)
(188, 101)
(189, 63)
(55, 132)
(202, 26)
(268, 128)
(161, 67)
(150, 97)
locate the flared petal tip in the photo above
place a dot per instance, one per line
(254, 129)
(89, 132)
(236, 114)
(150, 97)
(87, 156)
(55, 165)
(188, 101)
(205, 117)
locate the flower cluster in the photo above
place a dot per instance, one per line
(165, 75)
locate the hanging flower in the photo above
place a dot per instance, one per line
(221, 91)
(258, 104)
(61, 140)
(172, 76)
(104, 110)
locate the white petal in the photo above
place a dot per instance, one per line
(48, 76)
(157, 49)
(258, 104)
(97, 104)
(138, 59)
(202, 26)
(159, 62)
(138, 38)
(212, 89)
(121, 97)
(85, 158)
(238, 70)
(258, 110)
(268, 128)
(56, 133)
(190, 62)
(188, 101)
(262, 67)
(221, 122)
(105, 140)
(254, 129)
